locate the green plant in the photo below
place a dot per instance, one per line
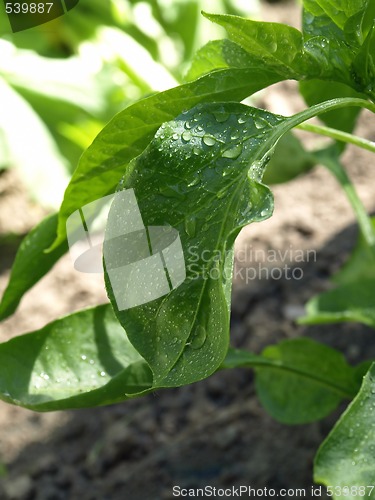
(195, 146)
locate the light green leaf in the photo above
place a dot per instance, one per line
(346, 457)
(31, 148)
(353, 301)
(339, 11)
(353, 297)
(31, 263)
(361, 263)
(220, 54)
(78, 361)
(306, 383)
(127, 135)
(276, 46)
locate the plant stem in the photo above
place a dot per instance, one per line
(338, 135)
(335, 167)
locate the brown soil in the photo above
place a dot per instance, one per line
(213, 432)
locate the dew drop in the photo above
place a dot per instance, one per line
(222, 193)
(83, 357)
(208, 140)
(175, 136)
(186, 136)
(188, 125)
(198, 337)
(272, 47)
(221, 116)
(233, 153)
(196, 151)
(190, 225)
(241, 119)
(259, 122)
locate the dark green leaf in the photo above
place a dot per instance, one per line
(306, 383)
(31, 263)
(346, 457)
(127, 135)
(78, 361)
(195, 177)
(202, 176)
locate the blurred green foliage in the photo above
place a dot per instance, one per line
(62, 81)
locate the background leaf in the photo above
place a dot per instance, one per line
(31, 263)
(307, 382)
(353, 297)
(290, 160)
(277, 46)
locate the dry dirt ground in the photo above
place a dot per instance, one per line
(214, 432)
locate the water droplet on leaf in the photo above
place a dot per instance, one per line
(233, 153)
(208, 140)
(190, 225)
(198, 337)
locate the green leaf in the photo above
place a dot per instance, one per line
(78, 361)
(275, 46)
(219, 54)
(346, 457)
(334, 32)
(353, 301)
(306, 383)
(353, 297)
(315, 91)
(338, 11)
(289, 161)
(298, 380)
(361, 264)
(364, 63)
(127, 135)
(45, 174)
(31, 263)
(195, 177)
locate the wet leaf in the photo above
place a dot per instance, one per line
(201, 175)
(346, 457)
(82, 360)
(127, 135)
